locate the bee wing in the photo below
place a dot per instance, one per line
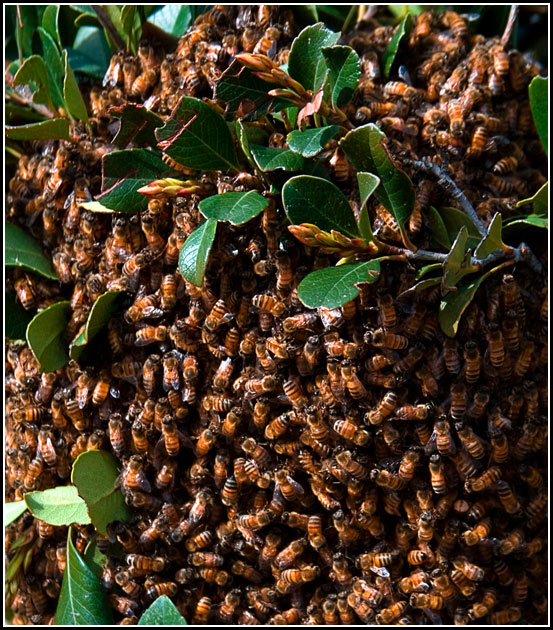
(430, 446)
(381, 571)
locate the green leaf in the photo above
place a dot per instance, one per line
(421, 286)
(271, 159)
(492, 241)
(94, 473)
(54, 65)
(19, 114)
(132, 26)
(454, 303)
(138, 125)
(314, 200)
(94, 559)
(13, 510)
(16, 318)
(23, 251)
(24, 32)
(246, 95)
(83, 600)
(196, 136)
(305, 14)
(90, 53)
(400, 10)
(50, 22)
(344, 70)
(365, 147)
(306, 63)
(34, 71)
(458, 261)
(312, 141)
(52, 129)
(235, 207)
(172, 18)
(539, 200)
(71, 93)
(438, 229)
(540, 107)
(58, 506)
(45, 336)
(367, 185)
(100, 314)
(423, 271)
(246, 133)
(162, 612)
(536, 220)
(195, 252)
(454, 220)
(124, 172)
(334, 286)
(403, 29)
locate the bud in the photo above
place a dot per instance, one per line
(342, 240)
(256, 63)
(170, 187)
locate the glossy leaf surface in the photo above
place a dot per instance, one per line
(454, 220)
(58, 506)
(306, 63)
(94, 474)
(162, 612)
(72, 94)
(16, 318)
(458, 262)
(235, 207)
(22, 250)
(438, 229)
(172, 18)
(272, 159)
(138, 125)
(45, 336)
(492, 241)
(83, 600)
(13, 510)
(100, 314)
(540, 107)
(34, 70)
(344, 70)
(334, 286)
(196, 136)
(403, 29)
(366, 149)
(52, 129)
(312, 141)
(195, 252)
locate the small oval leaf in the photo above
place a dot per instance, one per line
(45, 336)
(16, 318)
(58, 506)
(271, 158)
(138, 125)
(423, 271)
(438, 230)
(536, 220)
(366, 149)
(312, 141)
(196, 136)
(53, 129)
(421, 286)
(492, 241)
(34, 71)
(172, 18)
(13, 510)
(195, 252)
(539, 200)
(404, 28)
(54, 65)
(124, 172)
(454, 219)
(94, 474)
(314, 200)
(458, 261)
(334, 286)
(344, 70)
(454, 303)
(367, 183)
(306, 62)
(83, 600)
(245, 133)
(23, 251)
(537, 92)
(100, 314)
(235, 207)
(162, 612)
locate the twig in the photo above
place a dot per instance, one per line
(445, 181)
(108, 25)
(509, 27)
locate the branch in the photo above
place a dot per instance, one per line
(108, 25)
(445, 181)
(509, 27)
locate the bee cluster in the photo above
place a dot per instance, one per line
(286, 465)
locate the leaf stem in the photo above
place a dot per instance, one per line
(445, 181)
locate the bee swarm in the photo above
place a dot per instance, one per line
(285, 465)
